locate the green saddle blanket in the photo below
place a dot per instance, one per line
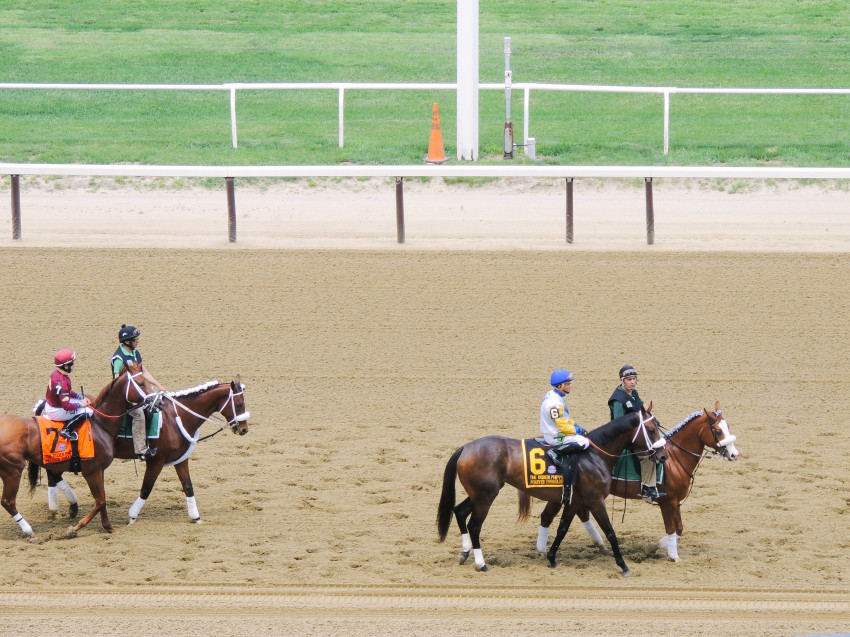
(628, 468)
(152, 421)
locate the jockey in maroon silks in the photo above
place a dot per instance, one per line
(63, 404)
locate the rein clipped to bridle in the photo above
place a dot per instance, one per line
(131, 380)
(711, 454)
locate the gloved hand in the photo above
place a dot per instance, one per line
(580, 430)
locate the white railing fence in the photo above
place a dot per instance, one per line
(341, 87)
(229, 173)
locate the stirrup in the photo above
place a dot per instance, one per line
(68, 434)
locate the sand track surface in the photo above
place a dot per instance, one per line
(366, 368)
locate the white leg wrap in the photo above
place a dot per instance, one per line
(136, 508)
(192, 508)
(67, 491)
(466, 542)
(590, 527)
(671, 543)
(52, 499)
(25, 527)
(542, 539)
(479, 558)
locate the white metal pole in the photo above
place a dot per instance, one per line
(525, 114)
(233, 115)
(341, 119)
(467, 79)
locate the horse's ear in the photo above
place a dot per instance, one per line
(717, 406)
(237, 382)
(649, 409)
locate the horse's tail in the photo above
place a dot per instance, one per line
(523, 506)
(447, 499)
(33, 471)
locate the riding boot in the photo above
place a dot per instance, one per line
(69, 431)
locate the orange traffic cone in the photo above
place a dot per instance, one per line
(436, 152)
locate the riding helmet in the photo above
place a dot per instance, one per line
(627, 371)
(64, 357)
(560, 376)
(128, 333)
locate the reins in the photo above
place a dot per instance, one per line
(213, 419)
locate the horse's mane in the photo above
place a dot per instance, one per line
(683, 423)
(608, 432)
(200, 389)
(105, 391)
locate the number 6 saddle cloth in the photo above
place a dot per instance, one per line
(540, 471)
(55, 448)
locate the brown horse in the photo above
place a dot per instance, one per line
(20, 443)
(483, 466)
(183, 413)
(687, 441)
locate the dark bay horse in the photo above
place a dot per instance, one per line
(183, 413)
(20, 444)
(483, 466)
(686, 443)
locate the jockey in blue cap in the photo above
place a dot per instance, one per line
(560, 430)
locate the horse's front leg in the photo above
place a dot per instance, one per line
(186, 480)
(11, 484)
(563, 527)
(95, 482)
(601, 517)
(671, 540)
(153, 468)
(546, 518)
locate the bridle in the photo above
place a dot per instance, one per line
(652, 448)
(131, 382)
(230, 401)
(722, 443)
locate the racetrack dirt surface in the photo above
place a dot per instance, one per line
(366, 368)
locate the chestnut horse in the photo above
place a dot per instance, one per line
(20, 443)
(183, 413)
(483, 466)
(687, 441)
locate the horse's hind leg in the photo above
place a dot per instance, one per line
(588, 525)
(462, 512)
(11, 484)
(186, 480)
(546, 518)
(476, 521)
(55, 483)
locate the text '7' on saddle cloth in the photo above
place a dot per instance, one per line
(54, 448)
(539, 470)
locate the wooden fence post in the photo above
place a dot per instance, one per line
(569, 209)
(650, 213)
(231, 209)
(399, 208)
(16, 207)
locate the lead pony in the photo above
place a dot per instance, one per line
(21, 446)
(183, 413)
(686, 443)
(483, 467)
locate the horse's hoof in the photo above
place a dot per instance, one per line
(461, 559)
(131, 521)
(33, 539)
(481, 569)
(197, 520)
(552, 563)
(74, 510)
(627, 572)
